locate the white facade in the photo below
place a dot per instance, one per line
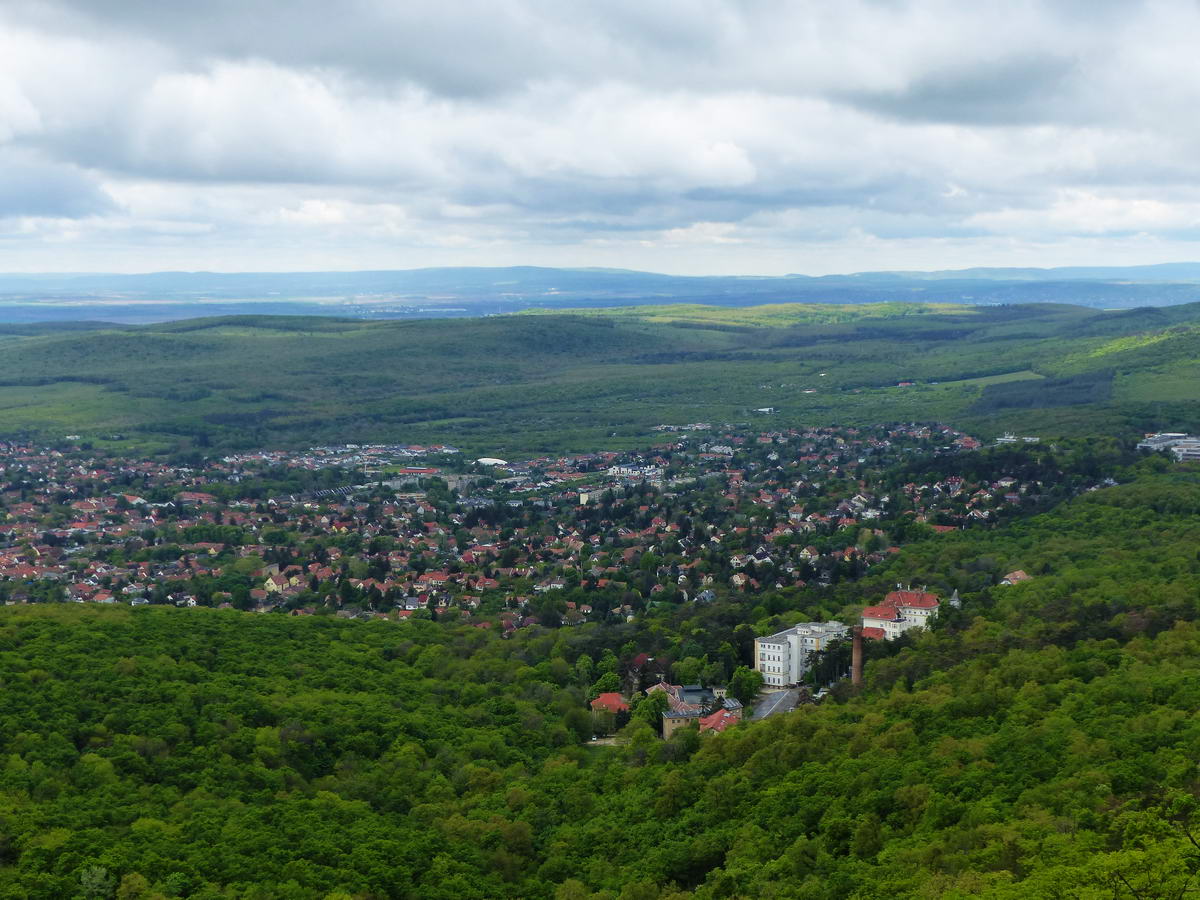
(891, 625)
(783, 658)
(901, 611)
(1186, 451)
(1164, 440)
(1184, 447)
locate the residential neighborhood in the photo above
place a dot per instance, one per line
(362, 531)
(394, 533)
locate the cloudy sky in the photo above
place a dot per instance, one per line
(689, 136)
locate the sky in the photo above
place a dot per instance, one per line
(683, 136)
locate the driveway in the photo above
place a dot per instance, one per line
(777, 702)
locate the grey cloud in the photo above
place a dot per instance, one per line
(1019, 89)
(35, 188)
(551, 121)
(479, 48)
(471, 48)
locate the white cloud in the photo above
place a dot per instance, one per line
(1082, 212)
(778, 135)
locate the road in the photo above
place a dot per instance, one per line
(777, 702)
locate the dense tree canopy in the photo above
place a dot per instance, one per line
(1040, 741)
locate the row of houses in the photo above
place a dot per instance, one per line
(689, 705)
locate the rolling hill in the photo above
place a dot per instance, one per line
(568, 380)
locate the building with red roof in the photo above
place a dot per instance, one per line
(901, 610)
(883, 613)
(720, 720)
(612, 701)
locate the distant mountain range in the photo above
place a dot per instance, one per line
(470, 291)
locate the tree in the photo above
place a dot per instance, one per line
(687, 671)
(745, 684)
(579, 721)
(868, 838)
(134, 886)
(608, 662)
(584, 669)
(649, 708)
(95, 883)
(606, 683)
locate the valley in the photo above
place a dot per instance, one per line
(566, 381)
(316, 608)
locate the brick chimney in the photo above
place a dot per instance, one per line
(856, 653)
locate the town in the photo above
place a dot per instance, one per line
(716, 515)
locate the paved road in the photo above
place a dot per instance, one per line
(777, 702)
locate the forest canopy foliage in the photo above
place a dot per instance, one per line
(1041, 741)
(585, 379)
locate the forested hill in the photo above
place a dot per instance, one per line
(578, 381)
(1040, 742)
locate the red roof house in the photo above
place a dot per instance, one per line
(612, 701)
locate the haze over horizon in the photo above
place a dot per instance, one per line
(686, 138)
(1176, 270)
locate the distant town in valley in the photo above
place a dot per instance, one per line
(394, 533)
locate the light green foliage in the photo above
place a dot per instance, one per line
(164, 754)
(1041, 741)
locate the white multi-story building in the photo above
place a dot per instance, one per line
(1163, 440)
(1186, 451)
(1184, 447)
(783, 658)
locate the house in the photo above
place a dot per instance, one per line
(194, 498)
(611, 701)
(1183, 447)
(276, 584)
(689, 704)
(900, 611)
(720, 720)
(1016, 577)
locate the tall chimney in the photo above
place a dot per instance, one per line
(856, 656)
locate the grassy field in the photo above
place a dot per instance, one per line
(775, 315)
(573, 381)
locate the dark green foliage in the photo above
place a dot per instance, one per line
(1091, 387)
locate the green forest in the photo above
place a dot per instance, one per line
(1041, 741)
(579, 380)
